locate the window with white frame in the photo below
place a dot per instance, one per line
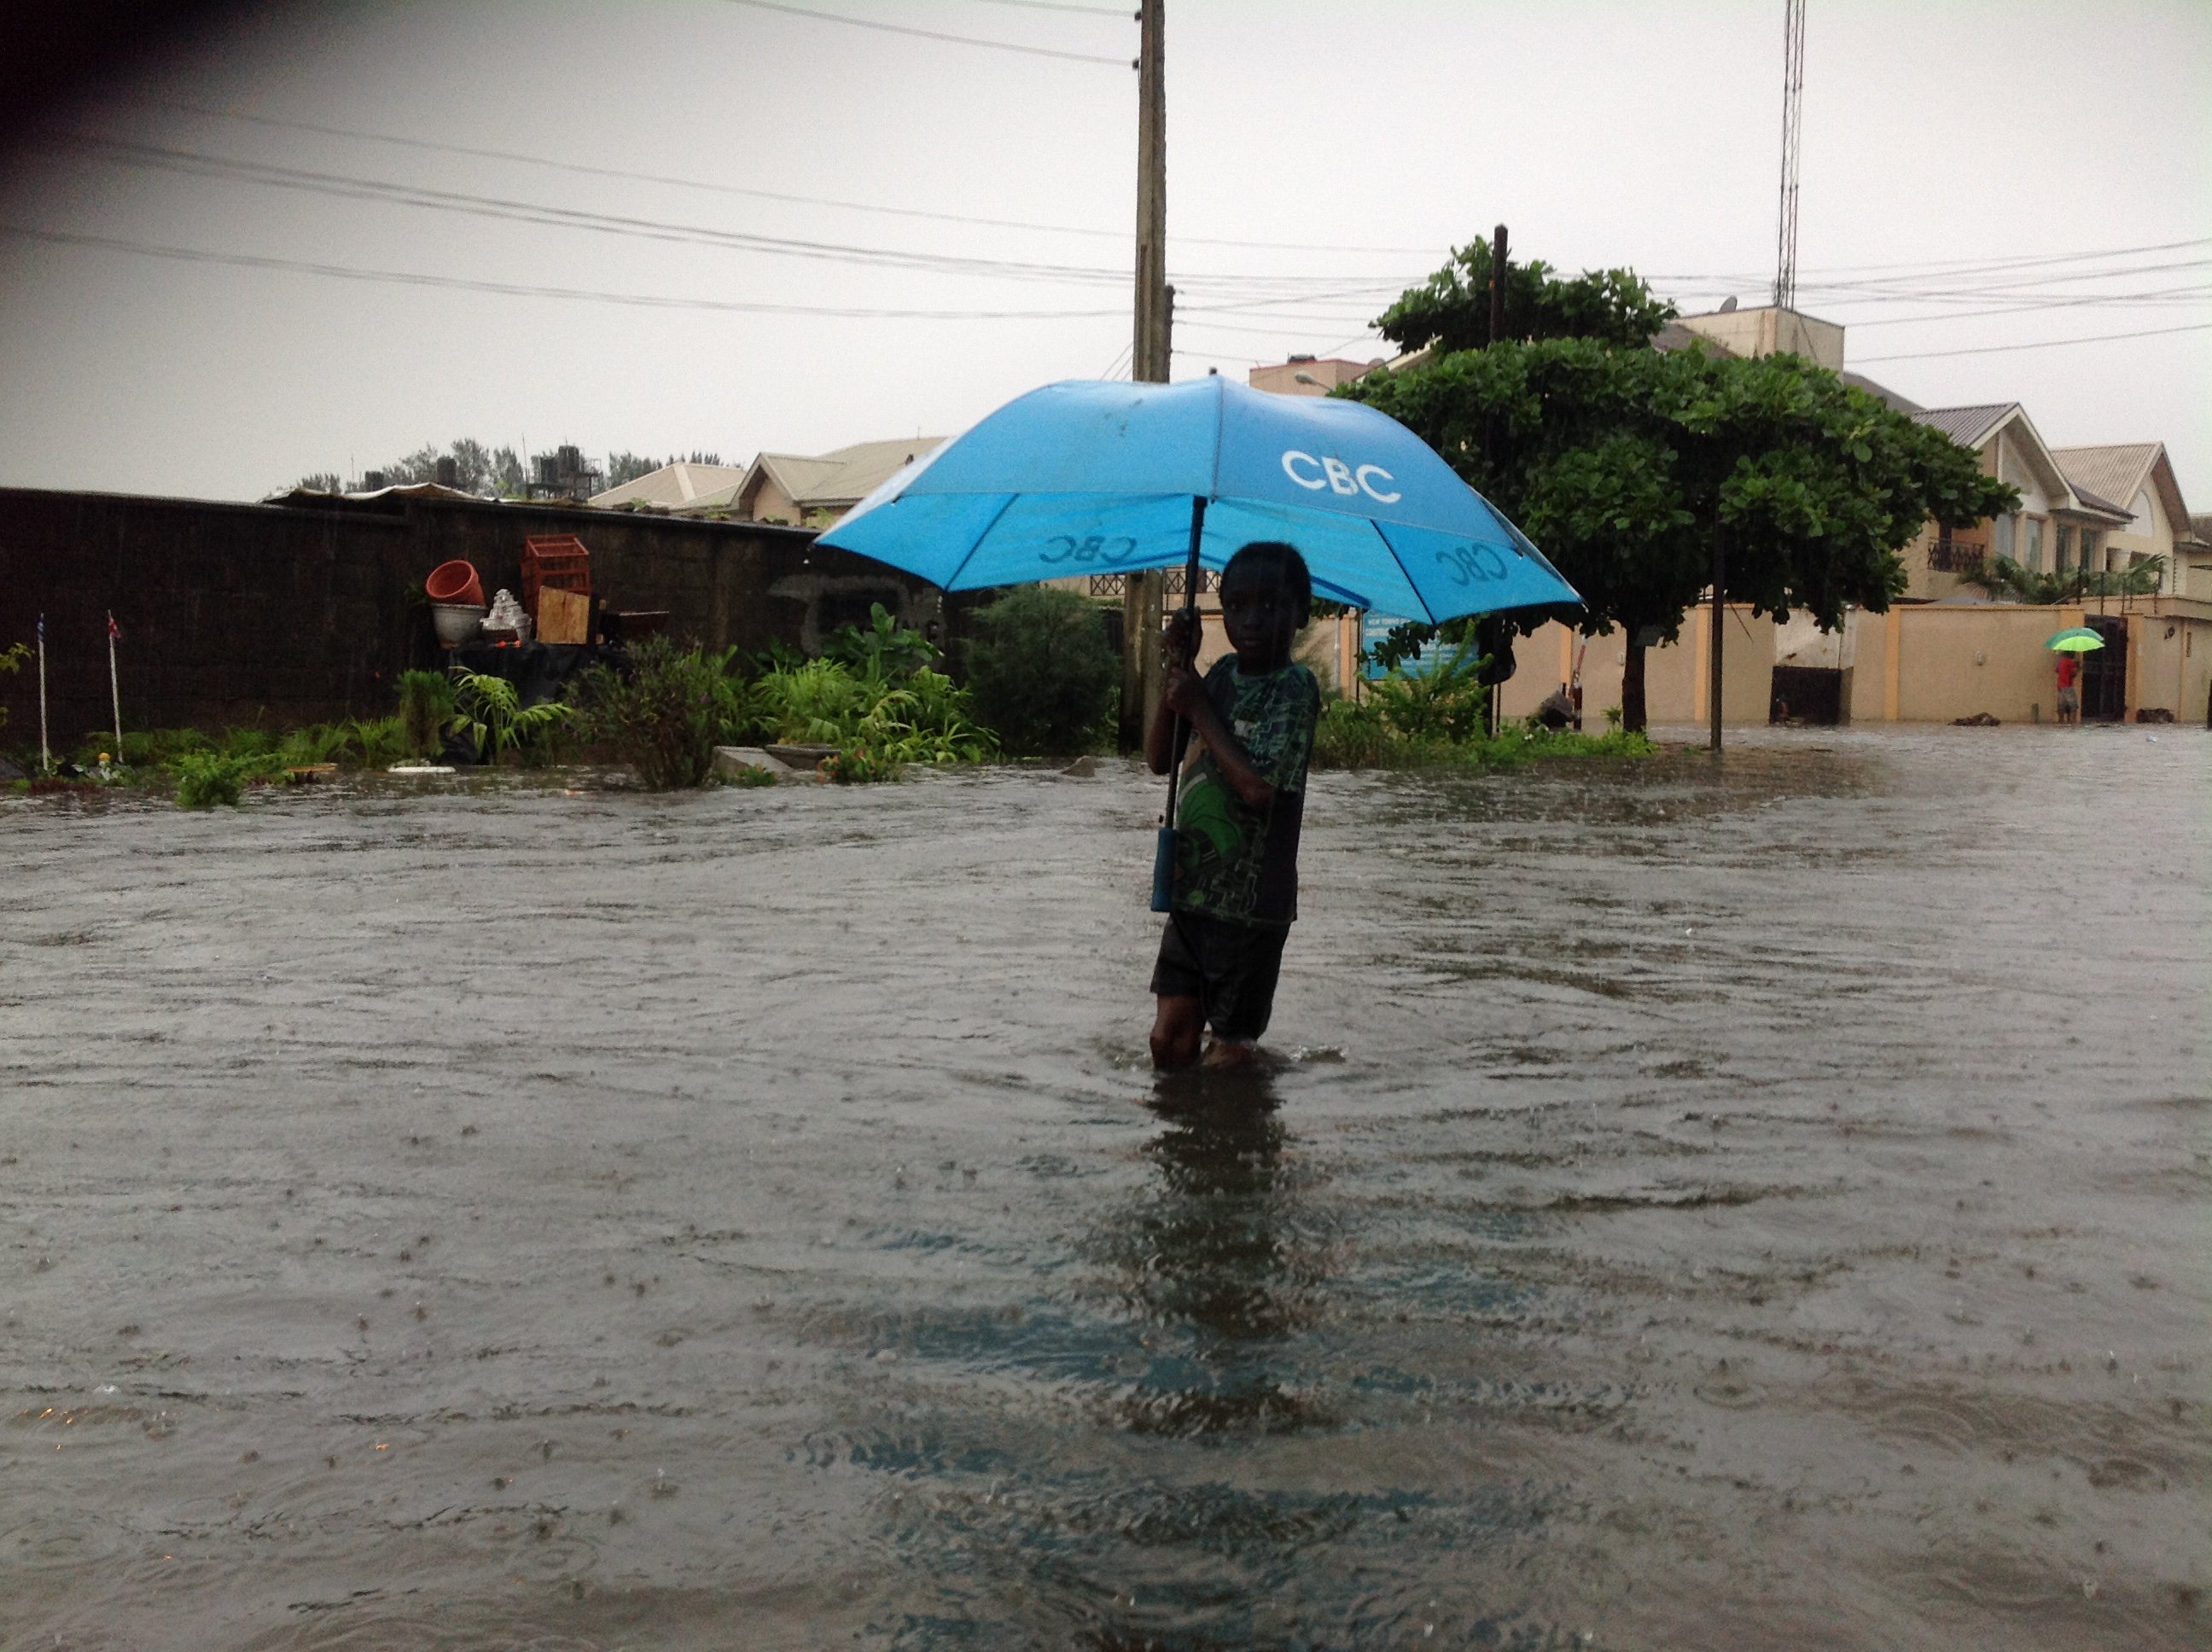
(2033, 556)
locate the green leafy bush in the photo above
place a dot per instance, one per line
(665, 717)
(205, 778)
(875, 697)
(1042, 672)
(885, 650)
(426, 707)
(1441, 698)
(856, 764)
(490, 713)
(1432, 715)
(378, 742)
(813, 703)
(318, 743)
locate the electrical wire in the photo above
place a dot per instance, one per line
(525, 289)
(931, 33)
(1257, 290)
(668, 180)
(1120, 12)
(2038, 344)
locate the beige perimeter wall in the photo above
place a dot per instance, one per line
(1927, 663)
(1674, 676)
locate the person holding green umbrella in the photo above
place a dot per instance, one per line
(2069, 646)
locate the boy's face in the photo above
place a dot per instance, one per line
(1261, 614)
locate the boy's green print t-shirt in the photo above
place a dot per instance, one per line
(1234, 861)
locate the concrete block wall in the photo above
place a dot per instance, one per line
(236, 614)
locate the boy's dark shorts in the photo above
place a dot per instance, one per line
(1228, 968)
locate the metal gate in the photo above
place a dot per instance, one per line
(2105, 672)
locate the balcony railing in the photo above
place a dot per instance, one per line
(1117, 585)
(1952, 556)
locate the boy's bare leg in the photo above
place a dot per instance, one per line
(1176, 1032)
(1229, 1056)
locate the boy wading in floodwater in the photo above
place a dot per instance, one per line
(1236, 831)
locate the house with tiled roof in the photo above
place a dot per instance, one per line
(2137, 480)
(2058, 524)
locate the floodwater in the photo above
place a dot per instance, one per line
(1757, 1204)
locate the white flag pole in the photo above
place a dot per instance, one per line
(114, 687)
(46, 755)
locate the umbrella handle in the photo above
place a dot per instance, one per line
(1163, 851)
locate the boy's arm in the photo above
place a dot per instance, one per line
(1166, 740)
(1186, 696)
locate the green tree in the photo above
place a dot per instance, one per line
(628, 467)
(1638, 473)
(1043, 671)
(322, 481)
(472, 466)
(1452, 308)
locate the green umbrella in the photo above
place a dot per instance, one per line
(2075, 639)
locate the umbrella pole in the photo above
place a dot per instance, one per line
(1164, 855)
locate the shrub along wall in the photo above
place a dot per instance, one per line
(288, 613)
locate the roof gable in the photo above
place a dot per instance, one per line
(1970, 427)
(2123, 470)
(680, 483)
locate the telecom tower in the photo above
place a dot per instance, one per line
(1793, 114)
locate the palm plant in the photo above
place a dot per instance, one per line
(490, 714)
(2008, 582)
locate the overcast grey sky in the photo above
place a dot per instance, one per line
(1320, 156)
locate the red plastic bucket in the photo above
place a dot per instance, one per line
(454, 583)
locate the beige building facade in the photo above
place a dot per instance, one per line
(2058, 524)
(2138, 479)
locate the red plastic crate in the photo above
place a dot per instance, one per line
(557, 560)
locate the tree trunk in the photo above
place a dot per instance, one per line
(1632, 688)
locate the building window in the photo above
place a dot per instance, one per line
(2089, 550)
(2003, 537)
(2034, 557)
(2065, 546)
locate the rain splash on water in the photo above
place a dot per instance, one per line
(1755, 1205)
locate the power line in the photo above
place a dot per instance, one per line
(2202, 295)
(2039, 344)
(670, 180)
(1122, 12)
(1261, 289)
(523, 289)
(341, 185)
(929, 33)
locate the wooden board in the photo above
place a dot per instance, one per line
(563, 616)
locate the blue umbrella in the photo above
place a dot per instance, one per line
(1087, 478)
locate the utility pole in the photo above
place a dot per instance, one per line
(1498, 284)
(1490, 434)
(1143, 603)
(1713, 677)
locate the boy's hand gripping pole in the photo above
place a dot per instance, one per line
(1163, 853)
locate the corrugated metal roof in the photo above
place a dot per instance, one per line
(858, 470)
(2117, 473)
(672, 485)
(1967, 426)
(1880, 392)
